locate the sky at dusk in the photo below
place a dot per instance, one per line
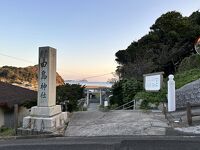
(86, 33)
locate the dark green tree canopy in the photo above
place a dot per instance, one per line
(70, 94)
(170, 40)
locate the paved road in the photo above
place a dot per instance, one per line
(104, 143)
(118, 122)
(93, 107)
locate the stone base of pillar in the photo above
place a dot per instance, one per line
(45, 119)
(45, 124)
(45, 111)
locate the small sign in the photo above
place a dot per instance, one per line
(153, 82)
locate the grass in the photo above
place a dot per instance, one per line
(185, 77)
(6, 131)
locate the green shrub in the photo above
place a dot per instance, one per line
(151, 98)
(117, 97)
(69, 94)
(188, 63)
(185, 77)
(124, 91)
(4, 131)
(129, 88)
(114, 106)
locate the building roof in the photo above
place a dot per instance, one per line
(11, 94)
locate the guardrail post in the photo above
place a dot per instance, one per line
(189, 114)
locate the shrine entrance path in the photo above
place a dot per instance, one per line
(119, 122)
(93, 107)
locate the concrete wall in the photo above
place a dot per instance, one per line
(23, 112)
(188, 93)
(1, 116)
(7, 116)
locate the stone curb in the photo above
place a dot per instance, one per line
(173, 132)
(31, 136)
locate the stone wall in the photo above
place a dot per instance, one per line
(188, 93)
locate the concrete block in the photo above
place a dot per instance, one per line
(45, 124)
(26, 122)
(45, 111)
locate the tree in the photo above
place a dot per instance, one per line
(170, 40)
(124, 91)
(70, 94)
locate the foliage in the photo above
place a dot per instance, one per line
(167, 48)
(151, 98)
(169, 41)
(69, 94)
(27, 75)
(17, 74)
(185, 77)
(124, 91)
(29, 104)
(112, 80)
(112, 106)
(190, 62)
(117, 96)
(4, 131)
(129, 88)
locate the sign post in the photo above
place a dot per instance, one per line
(153, 81)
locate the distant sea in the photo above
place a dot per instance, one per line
(86, 83)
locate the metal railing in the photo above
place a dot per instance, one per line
(127, 105)
(81, 101)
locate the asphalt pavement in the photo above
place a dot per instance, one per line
(105, 143)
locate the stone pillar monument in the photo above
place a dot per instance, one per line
(46, 116)
(47, 77)
(171, 94)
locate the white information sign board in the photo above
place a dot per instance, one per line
(153, 82)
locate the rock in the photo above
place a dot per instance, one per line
(188, 93)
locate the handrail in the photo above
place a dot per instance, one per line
(123, 106)
(129, 107)
(82, 100)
